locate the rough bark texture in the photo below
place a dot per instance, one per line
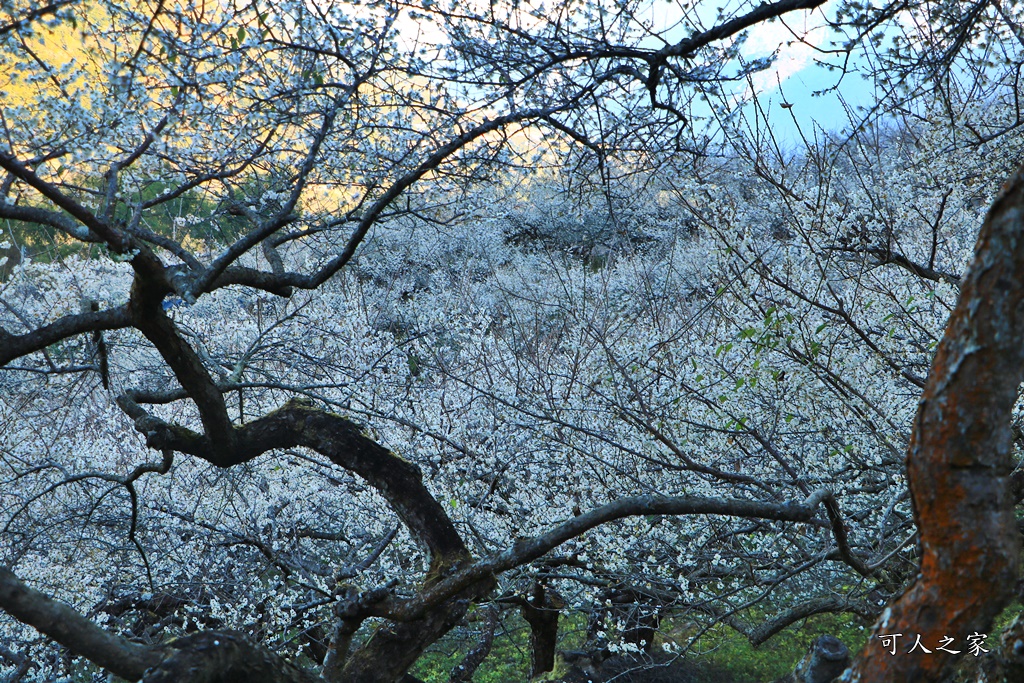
(826, 659)
(463, 672)
(69, 628)
(394, 647)
(224, 657)
(1004, 664)
(541, 613)
(959, 461)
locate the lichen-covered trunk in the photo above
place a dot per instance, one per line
(958, 464)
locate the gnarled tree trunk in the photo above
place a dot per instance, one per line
(959, 462)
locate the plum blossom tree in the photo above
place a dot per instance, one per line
(313, 368)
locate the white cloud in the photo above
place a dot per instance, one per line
(796, 38)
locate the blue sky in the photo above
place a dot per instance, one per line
(794, 76)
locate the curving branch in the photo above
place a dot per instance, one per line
(72, 630)
(60, 221)
(218, 274)
(203, 657)
(527, 550)
(763, 12)
(17, 345)
(116, 239)
(464, 670)
(148, 316)
(886, 256)
(298, 423)
(824, 605)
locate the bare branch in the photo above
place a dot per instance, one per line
(527, 550)
(16, 345)
(34, 14)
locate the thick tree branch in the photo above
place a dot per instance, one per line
(69, 628)
(60, 221)
(824, 605)
(148, 316)
(251, 277)
(17, 345)
(219, 656)
(464, 670)
(392, 649)
(298, 423)
(763, 12)
(117, 240)
(200, 658)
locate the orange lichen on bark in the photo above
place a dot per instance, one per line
(959, 461)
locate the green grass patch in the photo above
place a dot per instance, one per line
(725, 650)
